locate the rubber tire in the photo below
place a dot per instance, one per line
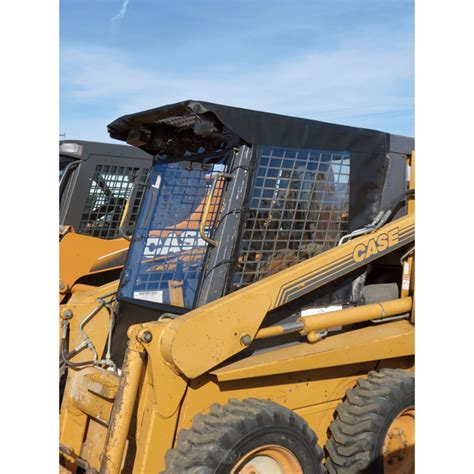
(216, 441)
(363, 419)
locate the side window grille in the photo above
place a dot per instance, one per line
(298, 208)
(108, 194)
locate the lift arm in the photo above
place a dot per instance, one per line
(201, 339)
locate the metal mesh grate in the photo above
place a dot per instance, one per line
(298, 208)
(179, 121)
(173, 253)
(105, 203)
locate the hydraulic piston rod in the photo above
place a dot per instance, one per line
(358, 314)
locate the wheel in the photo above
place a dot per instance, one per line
(246, 437)
(374, 428)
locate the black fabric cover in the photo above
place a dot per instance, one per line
(368, 148)
(263, 128)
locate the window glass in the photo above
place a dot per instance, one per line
(63, 162)
(167, 255)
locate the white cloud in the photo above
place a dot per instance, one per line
(118, 17)
(337, 85)
(93, 128)
(98, 73)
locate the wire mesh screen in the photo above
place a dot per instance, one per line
(167, 256)
(298, 208)
(110, 188)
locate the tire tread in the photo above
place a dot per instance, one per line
(361, 416)
(200, 449)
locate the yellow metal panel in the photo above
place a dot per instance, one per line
(73, 424)
(169, 386)
(320, 416)
(81, 255)
(93, 446)
(372, 343)
(308, 393)
(155, 432)
(90, 296)
(159, 403)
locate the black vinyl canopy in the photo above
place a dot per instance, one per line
(192, 126)
(252, 126)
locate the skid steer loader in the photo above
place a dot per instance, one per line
(264, 320)
(100, 190)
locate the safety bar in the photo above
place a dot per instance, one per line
(125, 215)
(207, 207)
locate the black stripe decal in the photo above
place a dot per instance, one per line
(319, 283)
(409, 236)
(295, 281)
(320, 278)
(290, 284)
(407, 230)
(315, 277)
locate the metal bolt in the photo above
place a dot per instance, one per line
(67, 314)
(62, 285)
(146, 336)
(245, 340)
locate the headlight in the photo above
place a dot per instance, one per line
(71, 148)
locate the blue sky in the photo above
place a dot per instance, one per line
(341, 61)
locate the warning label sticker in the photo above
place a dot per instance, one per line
(406, 277)
(155, 296)
(313, 311)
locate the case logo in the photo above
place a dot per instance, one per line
(375, 245)
(173, 242)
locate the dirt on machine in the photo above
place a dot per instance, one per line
(264, 318)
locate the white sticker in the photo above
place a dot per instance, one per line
(155, 296)
(406, 276)
(157, 182)
(313, 311)
(327, 309)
